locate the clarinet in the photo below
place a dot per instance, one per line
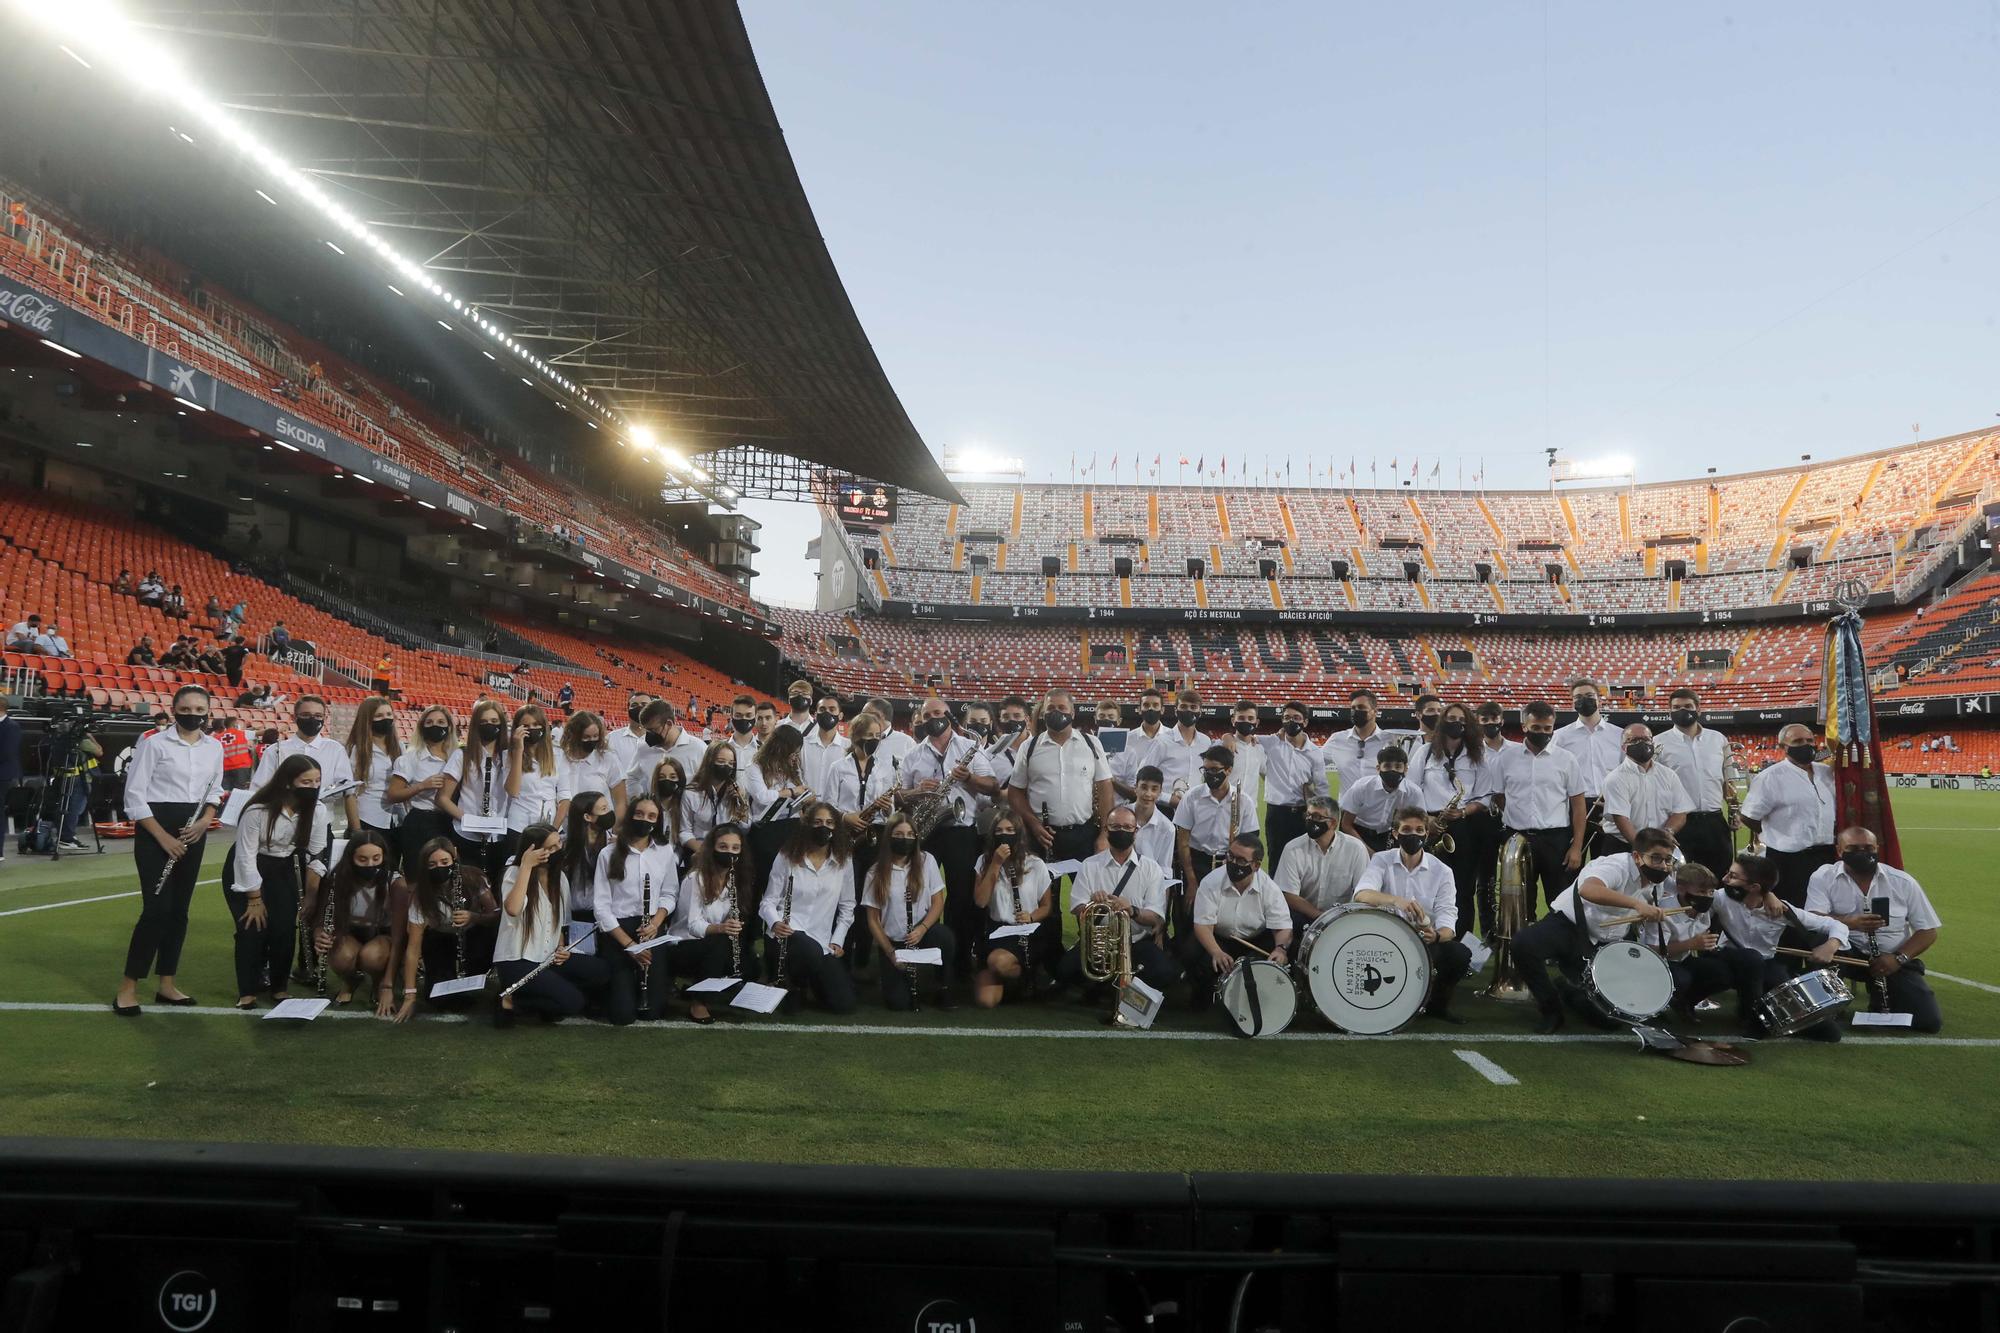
(735, 915)
(645, 912)
(326, 930)
(1027, 941)
(785, 941)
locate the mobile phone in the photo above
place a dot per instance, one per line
(1880, 907)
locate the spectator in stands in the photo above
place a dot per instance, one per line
(232, 660)
(142, 653)
(1790, 808)
(122, 585)
(566, 698)
(257, 696)
(178, 656)
(152, 592)
(161, 721)
(212, 612)
(23, 635)
(50, 642)
(209, 659)
(383, 681)
(176, 604)
(10, 767)
(232, 619)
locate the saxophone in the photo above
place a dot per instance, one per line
(1441, 842)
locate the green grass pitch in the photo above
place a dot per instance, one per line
(963, 1090)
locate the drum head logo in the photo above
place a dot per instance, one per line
(1371, 971)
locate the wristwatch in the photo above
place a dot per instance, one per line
(1902, 960)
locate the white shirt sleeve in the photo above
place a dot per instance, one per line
(774, 889)
(250, 833)
(607, 920)
(137, 774)
(1371, 877)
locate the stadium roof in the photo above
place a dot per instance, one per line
(607, 176)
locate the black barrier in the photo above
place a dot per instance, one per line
(1821, 608)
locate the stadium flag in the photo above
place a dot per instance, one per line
(1394, 464)
(1860, 783)
(1373, 475)
(1225, 465)
(1114, 467)
(1198, 460)
(1415, 463)
(1072, 465)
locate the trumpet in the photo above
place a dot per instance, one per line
(1441, 842)
(186, 836)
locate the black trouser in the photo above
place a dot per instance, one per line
(1546, 849)
(1486, 834)
(706, 957)
(901, 985)
(161, 929)
(766, 840)
(1376, 840)
(956, 849)
(1705, 840)
(1450, 961)
(860, 941)
(1463, 859)
(1909, 994)
(419, 827)
(561, 990)
(440, 959)
(1554, 939)
(271, 944)
(6, 790)
(1074, 842)
(1150, 963)
(808, 965)
(1282, 823)
(624, 1002)
(1796, 868)
(392, 858)
(1595, 825)
(1199, 968)
(1180, 900)
(490, 857)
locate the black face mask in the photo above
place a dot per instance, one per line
(383, 726)
(1492, 729)
(1537, 741)
(1700, 905)
(937, 726)
(670, 788)
(1685, 717)
(310, 726)
(1120, 838)
(442, 874)
(1212, 779)
(979, 729)
(304, 797)
(1187, 717)
(724, 859)
(639, 828)
(821, 834)
(1453, 730)
(189, 721)
(1056, 720)
(870, 745)
(605, 822)
(1410, 842)
(1246, 728)
(1293, 726)
(1391, 781)
(800, 703)
(434, 733)
(656, 740)
(1640, 752)
(1240, 870)
(1861, 863)
(489, 732)
(1150, 716)
(532, 738)
(742, 724)
(1802, 754)
(1361, 716)
(725, 773)
(1586, 706)
(828, 721)
(902, 846)
(1316, 828)
(1652, 874)
(1737, 892)
(1002, 840)
(366, 873)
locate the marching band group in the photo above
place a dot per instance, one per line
(593, 868)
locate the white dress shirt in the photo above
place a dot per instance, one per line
(651, 872)
(822, 898)
(519, 942)
(700, 813)
(328, 753)
(898, 913)
(687, 748)
(1247, 771)
(1206, 814)
(1156, 839)
(1354, 756)
(1325, 876)
(167, 770)
(1063, 778)
(1697, 762)
(1618, 872)
(1796, 811)
(372, 803)
(1374, 806)
(418, 764)
(692, 916)
(1007, 899)
(925, 763)
(1143, 748)
(763, 792)
(482, 788)
(1241, 912)
(1832, 889)
(895, 747)
(540, 793)
(1430, 885)
(848, 792)
(1597, 746)
(1538, 787)
(1291, 762)
(1435, 778)
(1146, 890)
(1762, 932)
(625, 743)
(819, 753)
(259, 834)
(1647, 796)
(598, 771)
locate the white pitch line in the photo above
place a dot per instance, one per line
(1049, 1034)
(1489, 1071)
(1964, 981)
(103, 898)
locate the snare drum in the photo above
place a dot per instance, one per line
(1366, 968)
(1807, 1000)
(1259, 996)
(1628, 982)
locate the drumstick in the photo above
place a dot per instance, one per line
(1807, 953)
(1635, 917)
(1248, 945)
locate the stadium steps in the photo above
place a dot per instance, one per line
(1291, 529)
(1778, 593)
(1569, 520)
(977, 579)
(957, 557)
(881, 582)
(888, 547)
(1478, 662)
(1277, 598)
(1625, 520)
(1673, 594)
(951, 521)
(1000, 558)
(1783, 529)
(1353, 601)
(1124, 590)
(1016, 531)
(1423, 594)
(1048, 592)
(1499, 602)
(1650, 556)
(1222, 515)
(1201, 592)
(1152, 514)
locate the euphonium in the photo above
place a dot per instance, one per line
(1516, 861)
(1441, 842)
(1104, 943)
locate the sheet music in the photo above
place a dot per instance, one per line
(1014, 931)
(1869, 1020)
(462, 986)
(232, 806)
(1057, 868)
(933, 957)
(483, 824)
(306, 1010)
(646, 946)
(709, 985)
(583, 938)
(759, 998)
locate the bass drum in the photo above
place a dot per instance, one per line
(1259, 997)
(1367, 969)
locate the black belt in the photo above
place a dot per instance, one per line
(1533, 832)
(1280, 805)
(1064, 828)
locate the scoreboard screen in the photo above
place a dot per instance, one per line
(865, 503)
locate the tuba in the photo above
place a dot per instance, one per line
(1517, 861)
(1104, 943)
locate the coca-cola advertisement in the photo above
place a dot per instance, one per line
(29, 309)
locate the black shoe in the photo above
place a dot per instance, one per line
(185, 1002)
(1552, 1021)
(943, 1002)
(503, 1017)
(124, 1011)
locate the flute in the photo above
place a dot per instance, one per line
(167, 871)
(543, 965)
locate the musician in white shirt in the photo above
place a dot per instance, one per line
(1594, 743)
(1698, 755)
(905, 911)
(1156, 828)
(1369, 805)
(951, 764)
(1851, 890)
(1320, 867)
(534, 927)
(416, 779)
(1458, 776)
(1060, 786)
(1212, 814)
(715, 796)
(1142, 746)
(638, 876)
(1011, 886)
(277, 859)
(173, 787)
(1791, 808)
(1352, 753)
(707, 927)
(589, 763)
(895, 744)
(1238, 910)
(1641, 793)
(372, 751)
(628, 740)
(1136, 887)
(453, 918)
(665, 737)
(536, 780)
(1747, 923)
(1248, 772)
(1542, 800)
(808, 909)
(309, 722)
(1296, 767)
(1610, 886)
(1421, 889)
(824, 746)
(475, 790)
(799, 700)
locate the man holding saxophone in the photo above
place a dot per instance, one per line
(948, 769)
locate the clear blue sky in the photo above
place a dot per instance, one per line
(1701, 235)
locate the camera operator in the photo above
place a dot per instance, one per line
(10, 766)
(69, 768)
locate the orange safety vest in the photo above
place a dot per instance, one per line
(235, 750)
